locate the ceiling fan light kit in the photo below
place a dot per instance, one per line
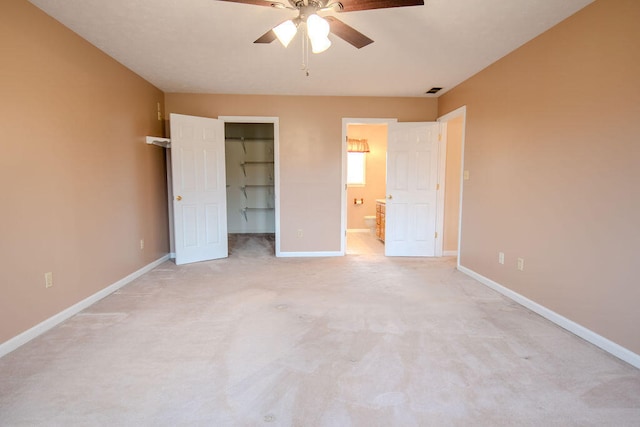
(285, 32)
(320, 45)
(318, 28)
(318, 32)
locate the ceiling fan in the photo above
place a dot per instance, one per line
(318, 28)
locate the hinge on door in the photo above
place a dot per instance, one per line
(439, 137)
(437, 187)
(436, 236)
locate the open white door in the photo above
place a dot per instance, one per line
(199, 188)
(412, 162)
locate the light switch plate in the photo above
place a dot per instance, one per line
(48, 280)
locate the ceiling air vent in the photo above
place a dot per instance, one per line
(433, 90)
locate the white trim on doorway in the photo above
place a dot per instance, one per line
(276, 159)
(442, 174)
(343, 203)
(459, 112)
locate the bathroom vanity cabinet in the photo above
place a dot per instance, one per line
(380, 212)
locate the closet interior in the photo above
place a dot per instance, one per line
(249, 151)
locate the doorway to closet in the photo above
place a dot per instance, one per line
(199, 189)
(250, 181)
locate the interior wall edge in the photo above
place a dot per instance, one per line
(553, 169)
(87, 195)
(42, 327)
(577, 329)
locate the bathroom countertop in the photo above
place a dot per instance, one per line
(381, 201)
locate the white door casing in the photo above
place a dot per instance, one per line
(199, 188)
(412, 166)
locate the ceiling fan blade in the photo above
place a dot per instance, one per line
(347, 33)
(267, 37)
(355, 5)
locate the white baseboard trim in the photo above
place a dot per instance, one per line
(42, 327)
(358, 230)
(450, 253)
(571, 326)
(172, 255)
(308, 254)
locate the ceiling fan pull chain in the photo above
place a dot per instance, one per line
(305, 52)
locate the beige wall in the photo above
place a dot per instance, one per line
(80, 186)
(375, 174)
(310, 152)
(452, 181)
(552, 147)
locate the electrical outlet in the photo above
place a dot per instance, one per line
(501, 257)
(48, 280)
(141, 244)
(300, 233)
(520, 264)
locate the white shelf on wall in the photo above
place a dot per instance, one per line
(160, 142)
(245, 163)
(243, 188)
(244, 140)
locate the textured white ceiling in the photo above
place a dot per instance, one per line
(206, 46)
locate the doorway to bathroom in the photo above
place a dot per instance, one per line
(366, 187)
(408, 208)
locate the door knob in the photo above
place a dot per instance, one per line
(178, 198)
(389, 197)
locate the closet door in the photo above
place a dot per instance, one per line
(199, 188)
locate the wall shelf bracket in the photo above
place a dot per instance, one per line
(160, 142)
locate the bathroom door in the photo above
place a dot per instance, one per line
(412, 163)
(199, 188)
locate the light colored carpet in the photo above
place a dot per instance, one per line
(361, 340)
